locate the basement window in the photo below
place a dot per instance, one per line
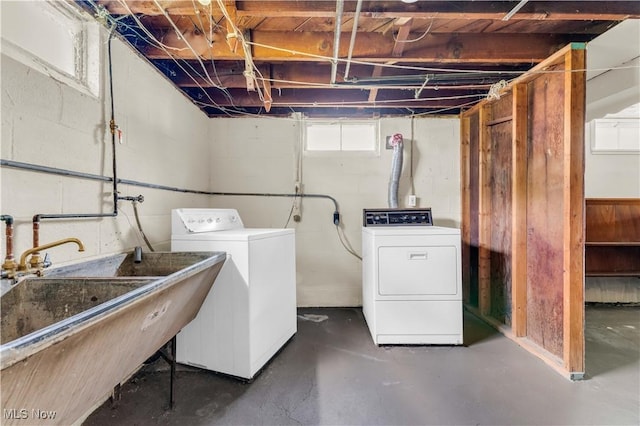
(341, 136)
(615, 135)
(59, 41)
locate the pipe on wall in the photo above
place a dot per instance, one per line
(9, 262)
(352, 42)
(336, 40)
(113, 128)
(89, 176)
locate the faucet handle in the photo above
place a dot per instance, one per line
(47, 260)
(36, 260)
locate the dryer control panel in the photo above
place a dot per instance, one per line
(397, 217)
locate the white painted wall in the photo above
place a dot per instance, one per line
(259, 155)
(612, 175)
(48, 123)
(609, 92)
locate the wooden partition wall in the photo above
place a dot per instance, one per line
(522, 166)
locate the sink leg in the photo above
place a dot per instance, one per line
(173, 372)
(170, 358)
(116, 395)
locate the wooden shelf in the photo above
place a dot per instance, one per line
(612, 246)
(612, 274)
(612, 243)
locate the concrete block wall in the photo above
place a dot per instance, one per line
(46, 122)
(259, 155)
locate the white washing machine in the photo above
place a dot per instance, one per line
(250, 312)
(412, 284)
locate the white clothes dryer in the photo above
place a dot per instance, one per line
(412, 284)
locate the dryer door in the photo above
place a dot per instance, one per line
(420, 270)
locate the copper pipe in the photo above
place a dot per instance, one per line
(9, 264)
(36, 232)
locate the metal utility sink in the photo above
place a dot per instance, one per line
(36, 303)
(156, 264)
(69, 337)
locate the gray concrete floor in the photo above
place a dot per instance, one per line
(331, 373)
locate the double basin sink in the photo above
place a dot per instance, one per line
(69, 337)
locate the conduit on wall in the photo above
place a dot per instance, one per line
(89, 176)
(113, 128)
(336, 40)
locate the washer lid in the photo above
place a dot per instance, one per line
(244, 234)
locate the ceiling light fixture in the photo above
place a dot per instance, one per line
(409, 1)
(204, 2)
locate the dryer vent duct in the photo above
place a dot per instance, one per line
(396, 169)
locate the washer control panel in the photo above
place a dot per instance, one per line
(397, 217)
(204, 220)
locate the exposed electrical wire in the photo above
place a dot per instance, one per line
(144, 236)
(380, 64)
(438, 111)
(195, 54)
(164, 48)
(210, 38)
(385, 101)
(293, 205)
(345, 243)
(415, 39)
(246, 49)
(192, 73)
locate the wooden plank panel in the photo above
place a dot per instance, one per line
(500, 220)
(545, 198)
(474, 206)
(612, 245)
(627, 227)
(465, 206)
(602, 219)
(373, 47)
(484, 213)
(519, 209)
(612, 261)
(547, 212)
(573, 212)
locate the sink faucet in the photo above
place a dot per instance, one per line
(35, 252)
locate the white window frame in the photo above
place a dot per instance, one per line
(375, 151)
(592, 131)
(87, 47)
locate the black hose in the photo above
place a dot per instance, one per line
(144, 236)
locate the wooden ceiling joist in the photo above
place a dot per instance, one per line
(400, 49)
(400, 42)
(374, 47)
(538, 10)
